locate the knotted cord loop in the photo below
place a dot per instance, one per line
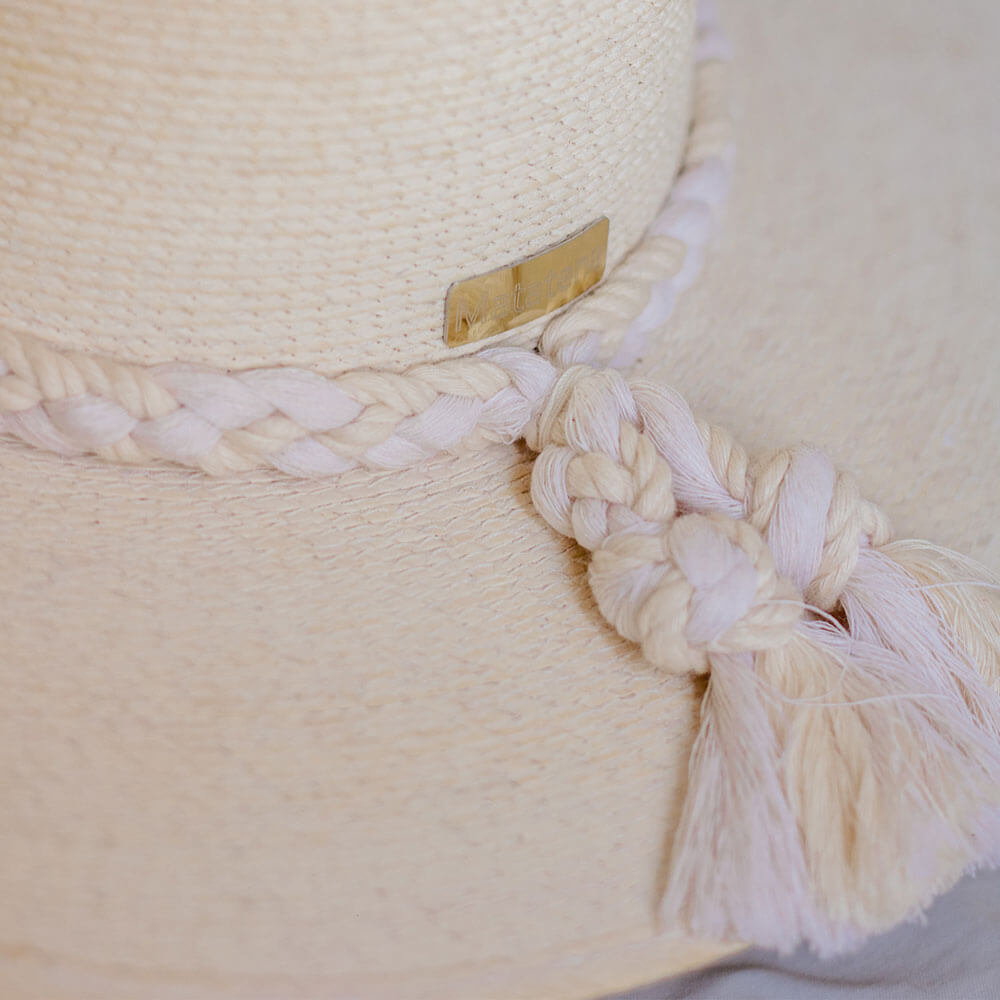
(618, 461)
(705, 584)
(625, 455)
(814, 519)
(681, 587)
(596, 473)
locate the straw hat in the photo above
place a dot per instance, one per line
(302, 697)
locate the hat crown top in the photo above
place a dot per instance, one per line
(300, 183)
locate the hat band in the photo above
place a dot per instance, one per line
(306, 424)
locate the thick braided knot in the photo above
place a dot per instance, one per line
(696, 549)
(704, 583)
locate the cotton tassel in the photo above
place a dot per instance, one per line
(700, 597)
(900, 672)
(937, 628)
(841, 776)
(884, 604)
(888, 777)
(861, 822)
(964, 597)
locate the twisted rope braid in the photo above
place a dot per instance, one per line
(295, 420)
(660, 591)
(622, 467)
(306, 424)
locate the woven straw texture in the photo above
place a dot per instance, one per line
(371, 738)
(302, 181)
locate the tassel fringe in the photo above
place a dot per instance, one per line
(737, 818)
(963, 595)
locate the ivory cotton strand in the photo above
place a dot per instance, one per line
(847, 766)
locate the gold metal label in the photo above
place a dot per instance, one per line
(510, 296)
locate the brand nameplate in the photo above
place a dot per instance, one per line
(510, 296)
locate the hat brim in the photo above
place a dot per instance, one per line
(371, 737)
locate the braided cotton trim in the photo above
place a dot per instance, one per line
(622, 455)
(306, 424)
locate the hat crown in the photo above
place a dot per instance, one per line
(298, 183)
